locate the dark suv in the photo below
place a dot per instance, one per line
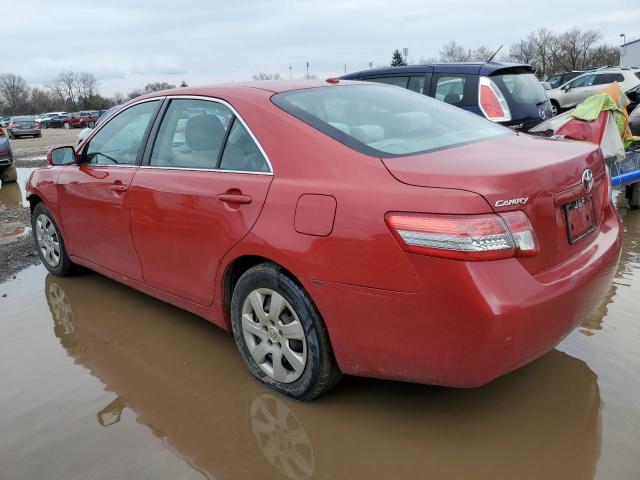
(507, 93)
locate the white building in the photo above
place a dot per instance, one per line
(630, 54)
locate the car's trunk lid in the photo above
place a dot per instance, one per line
(518, 172)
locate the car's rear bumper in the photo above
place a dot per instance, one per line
(472, 321)
(18, 132)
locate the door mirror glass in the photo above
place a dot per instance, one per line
(61, 156)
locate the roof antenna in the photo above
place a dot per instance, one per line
(495, 53)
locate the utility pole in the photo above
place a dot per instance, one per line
(345, 68)
(290, 73)
(307, 70)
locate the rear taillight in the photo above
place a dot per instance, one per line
(13, 125)
(465, 237)
(492, 102)
(37, 125)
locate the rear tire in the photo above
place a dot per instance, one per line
(9, 174)
(288, 350)
(49, 242)
(66, 126)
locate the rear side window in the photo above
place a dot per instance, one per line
(450, 89)
(386, 122)
(192, 134)
(520, 88)
(241, 154)
(397, 81)
(455, 89)
(606, 78)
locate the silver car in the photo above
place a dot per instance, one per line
(8, 171)
(25, 126)
(575, 91)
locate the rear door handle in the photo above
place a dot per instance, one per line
(234, 198)
(118, 187)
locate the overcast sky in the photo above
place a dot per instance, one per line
(127, 44)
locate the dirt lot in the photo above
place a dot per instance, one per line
(16, 243)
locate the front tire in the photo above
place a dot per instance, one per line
(9, 174)
(49, 242)
(555, 108)
(280, 334)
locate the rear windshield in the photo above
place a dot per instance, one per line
(386, 121)
(23, 119)
(520, 88)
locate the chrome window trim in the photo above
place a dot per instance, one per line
(238, 117)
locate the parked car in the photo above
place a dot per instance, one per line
(559, 79)
(338, 227)
(575, 91)
(507, 93)
(634, 112)
(46, 116)
(4, 121)
(23, 126)
(8, 172)
(55, 121)
(102, 115)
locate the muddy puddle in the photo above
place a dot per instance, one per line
(14, 194)
(99, 381)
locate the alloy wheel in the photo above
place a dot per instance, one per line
(48, 240)
(274, 335)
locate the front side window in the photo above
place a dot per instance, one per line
(192, 134)
(416, 83)
(585, 81)
(554, 81)
(120, 140)
(386, 122)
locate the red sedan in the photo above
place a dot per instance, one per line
(338, 227)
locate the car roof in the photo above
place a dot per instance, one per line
(474, 68)
(247, 88)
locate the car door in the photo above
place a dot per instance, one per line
(199, 191)
(580, 89)
(93, 195)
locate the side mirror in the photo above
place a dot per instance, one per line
(633, 96)
(546, 85)
(567, 87)
(61, 156)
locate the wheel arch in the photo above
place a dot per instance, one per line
(237, 267)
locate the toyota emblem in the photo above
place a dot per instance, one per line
(542, 113)
(587, 179)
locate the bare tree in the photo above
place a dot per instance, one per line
(14, 93)
(574, 46)
(481, 54)
(86, 84)
(266, 76)
(157, 86)
(119, 98)
(452, 52)
(64, 87)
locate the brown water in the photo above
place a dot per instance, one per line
(99, 381)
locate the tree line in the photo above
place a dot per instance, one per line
(549, 52)
(69, 91)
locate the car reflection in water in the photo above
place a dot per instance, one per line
(183, 379)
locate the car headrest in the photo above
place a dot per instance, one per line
(204, 132)
(367, 133)
(452, 98)
(412, 122)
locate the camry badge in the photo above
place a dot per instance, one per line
(587, 179)
(513, 201)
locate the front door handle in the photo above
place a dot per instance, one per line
(118, 187)
(234, 198)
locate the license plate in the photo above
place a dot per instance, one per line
(580, 218)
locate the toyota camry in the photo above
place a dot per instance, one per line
(338, 228)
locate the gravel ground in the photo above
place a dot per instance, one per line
(17, 249)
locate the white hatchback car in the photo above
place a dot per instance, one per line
(576, 90)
